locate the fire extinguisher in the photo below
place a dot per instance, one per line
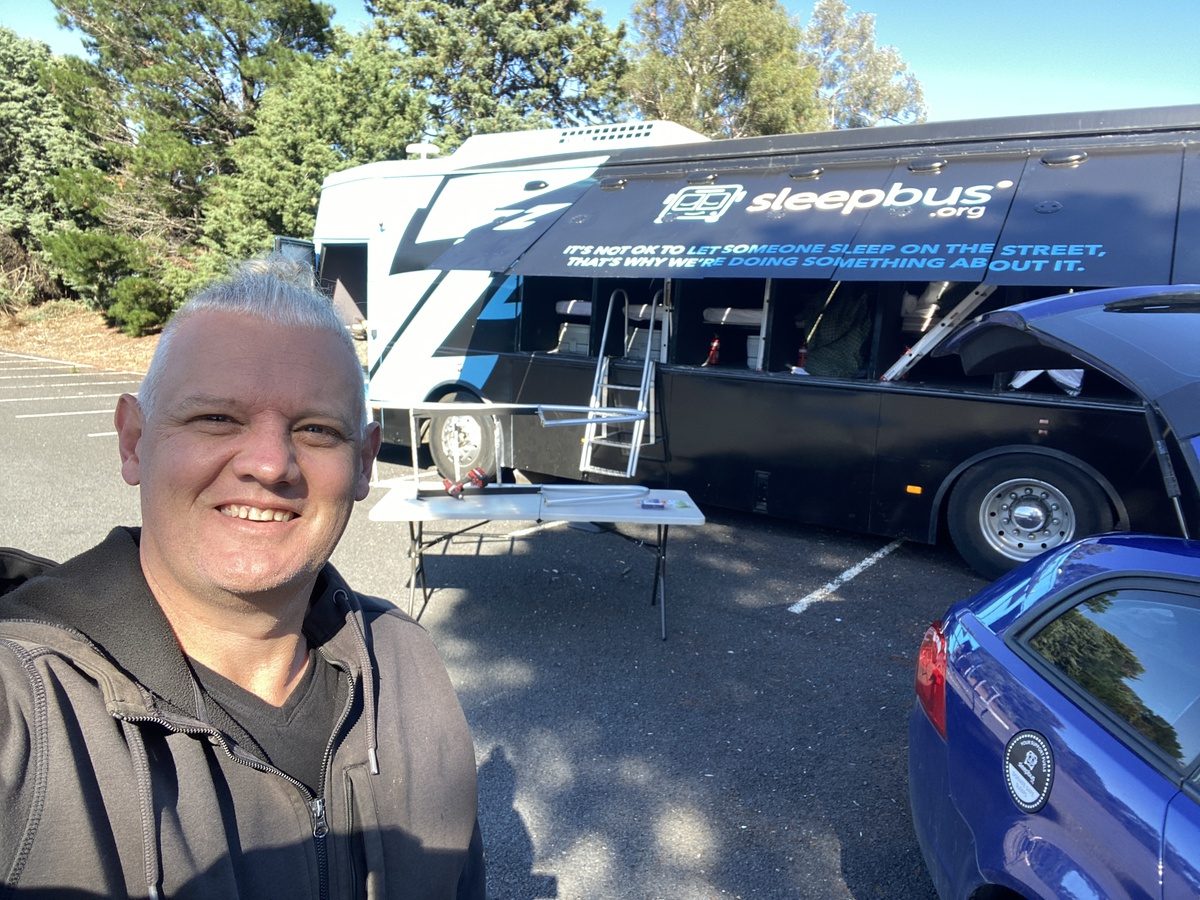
(714, 351)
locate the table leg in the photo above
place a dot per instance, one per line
(416, 565)
(659, 591)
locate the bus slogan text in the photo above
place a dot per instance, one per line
(883, 256)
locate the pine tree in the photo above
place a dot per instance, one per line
(726, 68)
(501, 65)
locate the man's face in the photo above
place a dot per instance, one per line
(251, 460)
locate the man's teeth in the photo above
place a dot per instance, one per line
(254, 514)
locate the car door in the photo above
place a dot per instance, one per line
(1091, 829)
(1122, 652)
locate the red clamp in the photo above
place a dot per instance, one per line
(477, 477)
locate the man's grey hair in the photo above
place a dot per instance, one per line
(271, 289)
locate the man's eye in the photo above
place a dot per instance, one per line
(323, 431)
(213, 419)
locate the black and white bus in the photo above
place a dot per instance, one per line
(791, 295)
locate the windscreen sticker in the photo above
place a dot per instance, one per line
(1029, 770)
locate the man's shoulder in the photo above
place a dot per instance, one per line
(376, 608)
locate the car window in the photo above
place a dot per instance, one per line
(1133, 651)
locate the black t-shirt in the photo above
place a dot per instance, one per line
(293, 737)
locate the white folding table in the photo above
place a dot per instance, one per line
(598, 503)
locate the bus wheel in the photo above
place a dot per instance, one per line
(461, 442)
(1006, 511)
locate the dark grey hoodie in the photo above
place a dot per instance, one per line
(116, 780)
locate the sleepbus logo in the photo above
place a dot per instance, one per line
(942, 202)
(702, 203)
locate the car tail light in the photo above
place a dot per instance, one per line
(931, 676)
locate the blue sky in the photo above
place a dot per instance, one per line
(975, 58)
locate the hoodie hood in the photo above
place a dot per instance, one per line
(17, 567)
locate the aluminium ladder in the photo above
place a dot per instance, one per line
(605, 434)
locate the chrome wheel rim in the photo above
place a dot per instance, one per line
(1024, 517)
(460, 438)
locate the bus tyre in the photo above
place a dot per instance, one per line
(461, 442)
(1008, 510)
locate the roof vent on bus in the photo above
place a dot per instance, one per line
(613, 184)
(1064, 159)
(929, 165)
(536, 185)
(605, 133)
(702, 178)
(806, 174)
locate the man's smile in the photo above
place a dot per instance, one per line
(256, 514)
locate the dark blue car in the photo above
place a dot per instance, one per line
(1054, 749)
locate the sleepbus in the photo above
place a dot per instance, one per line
(790, 298)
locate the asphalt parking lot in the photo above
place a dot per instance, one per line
(758, 752)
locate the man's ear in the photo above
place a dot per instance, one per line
(129, 423)
(372, 438)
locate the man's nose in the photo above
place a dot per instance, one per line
(267, 454)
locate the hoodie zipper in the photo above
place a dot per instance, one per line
(315, 803)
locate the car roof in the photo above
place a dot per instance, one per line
(1090, 560)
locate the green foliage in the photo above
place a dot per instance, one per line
(861, 84)
(498, 65)
(199, 66)
(184, 276)
(140, 305)
(726, 68)
(346, 109)
(186, 80)
(36, 140)
(91, 262)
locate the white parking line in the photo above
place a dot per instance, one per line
(60, 384)
(8, 355)
(19, 387)
(66, 375)
(857, 569)
(60, 397)
(79, 412)
(103, 434)
(38, 369)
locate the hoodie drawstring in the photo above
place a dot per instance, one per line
(145, 790)
(368, 676)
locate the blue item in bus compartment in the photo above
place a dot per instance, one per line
(1054, 745)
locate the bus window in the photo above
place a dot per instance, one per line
(555, 315)
(719, 322)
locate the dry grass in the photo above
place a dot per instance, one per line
(70, 332)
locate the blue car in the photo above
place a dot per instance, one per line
(1054, 748)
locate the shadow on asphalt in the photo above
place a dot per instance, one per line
(754, 753)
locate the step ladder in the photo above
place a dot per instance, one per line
(606, 393)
